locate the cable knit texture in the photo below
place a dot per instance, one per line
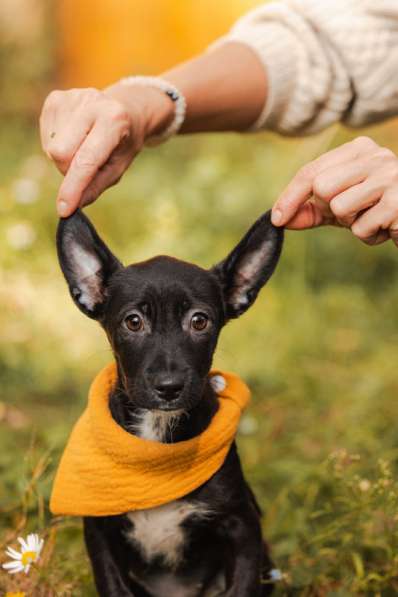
(326, 61)
(105, 470)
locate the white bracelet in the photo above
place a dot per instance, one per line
(176, 97)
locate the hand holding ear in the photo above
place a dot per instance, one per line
(92, 136)
(354, 186)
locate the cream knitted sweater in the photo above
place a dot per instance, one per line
(326, 61)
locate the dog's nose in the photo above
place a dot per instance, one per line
(168, 388)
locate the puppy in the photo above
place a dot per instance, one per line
(163, 318)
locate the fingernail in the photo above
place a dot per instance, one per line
(276, 216)
(62, 208)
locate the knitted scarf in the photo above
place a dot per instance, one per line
(105, 470)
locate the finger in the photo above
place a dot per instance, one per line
(393, 232)
(347, 205)
(379, 217)
(380, 237)
(68, 134)
(300, 188)
(46, 130)
(47, 117)
(335, 179)
(313, 213)
(91, 155)
(106, 177)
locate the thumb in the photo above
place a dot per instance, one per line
(313, 213)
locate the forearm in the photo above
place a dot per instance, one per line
(295, 67)
(225, 88)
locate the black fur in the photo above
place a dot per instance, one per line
(164, 365)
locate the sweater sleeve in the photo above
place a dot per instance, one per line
(326, 61)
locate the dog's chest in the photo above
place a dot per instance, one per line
(160, 531)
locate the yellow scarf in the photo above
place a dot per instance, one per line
(105, 470)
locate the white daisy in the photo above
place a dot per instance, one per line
(29, 554)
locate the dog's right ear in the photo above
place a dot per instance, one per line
(86, 263)
(249, 266)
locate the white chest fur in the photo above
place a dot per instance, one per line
(154, 424)
(159, 532)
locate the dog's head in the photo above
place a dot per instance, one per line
(163, 316)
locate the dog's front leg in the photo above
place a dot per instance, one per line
(245, 569)
(108, 580)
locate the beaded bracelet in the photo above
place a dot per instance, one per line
(176, 97)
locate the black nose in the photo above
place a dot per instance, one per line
(168, 387)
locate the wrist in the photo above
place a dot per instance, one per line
(147, 106)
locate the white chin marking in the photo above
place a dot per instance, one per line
(154, 424)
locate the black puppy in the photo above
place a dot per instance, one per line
(163, 318)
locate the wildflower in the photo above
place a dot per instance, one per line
(28, 555)
(19, 594)
(275, 575)
(364, 485)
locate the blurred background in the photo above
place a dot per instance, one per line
(319, 349)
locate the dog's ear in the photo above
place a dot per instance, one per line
(248, 267)
(86, 263)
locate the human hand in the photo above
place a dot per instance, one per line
(354, 185)
(92, 136)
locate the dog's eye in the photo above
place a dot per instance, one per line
(134, 322)
(199, 322)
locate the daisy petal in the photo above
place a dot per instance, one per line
(9, 565)
(23, 544)
(12, 553)
(27, 568)
(30, 540)
(15, 570)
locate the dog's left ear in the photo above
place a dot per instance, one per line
(248, 267)
(86, 263)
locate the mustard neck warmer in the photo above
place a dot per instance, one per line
(105, 470)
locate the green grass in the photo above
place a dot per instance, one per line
(319, 350)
